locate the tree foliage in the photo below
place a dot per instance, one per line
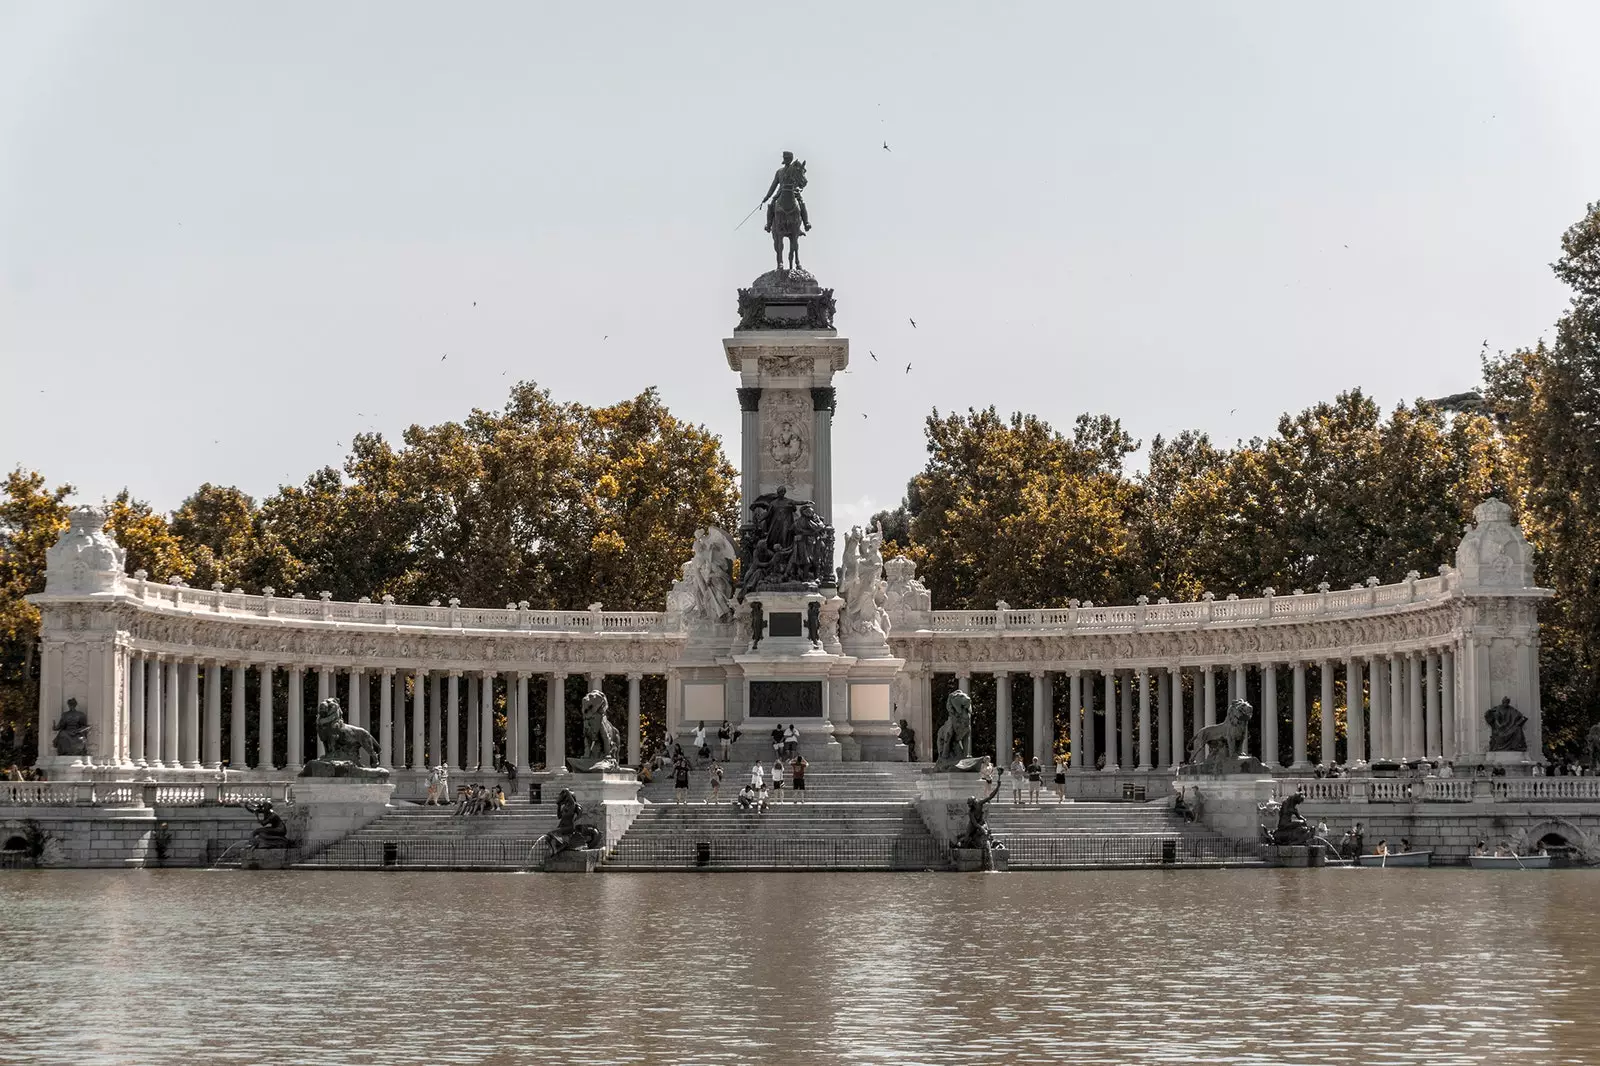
(32, 516)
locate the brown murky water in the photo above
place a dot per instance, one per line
(1333, 966)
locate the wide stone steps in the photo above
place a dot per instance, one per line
(1086, 835)
(837, 836)
(414, 837)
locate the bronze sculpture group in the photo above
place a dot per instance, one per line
(785, 546)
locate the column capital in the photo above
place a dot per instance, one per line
(1000, 673)
(966, 673)
(823, 398)
(1041, 674)
(749, 398)
(635, 675)
(388, 671)
(456, 673)
(560, 675)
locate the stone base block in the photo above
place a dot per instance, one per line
(950, 785)
(333, 808)
(269, 859)
(575, 861)
(1293, 855)
(970, 860)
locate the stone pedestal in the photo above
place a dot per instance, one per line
(1228, 804)
(942, 801)
(610, 801)
(575, 861)
(333, 808)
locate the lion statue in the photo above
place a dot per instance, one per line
(1219, 746)
(1591, 747)
(341, 741)
(954, 742)
(569, 833)
(600, 738)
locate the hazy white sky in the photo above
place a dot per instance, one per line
(233, 235)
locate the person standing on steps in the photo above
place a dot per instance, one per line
(680, 782)
(1035, 781)
(758, 776)
(716, 782)
(1061, 779)
(791, 742)
(797, 777)
(777, 780)
(700, 748)
(724, 739)
(1019, 774)
(777, 740)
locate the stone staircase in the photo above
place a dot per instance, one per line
(412, 837)
(1058, 836)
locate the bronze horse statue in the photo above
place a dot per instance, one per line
(786, 218)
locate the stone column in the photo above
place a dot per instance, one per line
(419, 719)
(213, 729)
(1144, 718)
(294, 720)
(1043, 718)
(1197, 702)
(525, 722)
(513, 720)
(452, 723)
(324, 684)
(1447, 678)
(154, 710)
(1354, 718)
(1108, 678)
(1397, 706)
(1175, 722)
(236, 730)
(555, 722)
(964, 681)
(1269, 715)
(357, 715)
(1330, 728)
(386, 718)
(474, 745)
(749, 464)
(1004, 743)
(1414, 719)
(1125, 757)
(1379, 747)
(633, 718)
(1211, 696)
(171, 693)
(1164, 717)
(436, 719)
(191, 714)
(136, 683)
(1075, 761)
(1301, 761)
(822, 405)
(486, 722)
(400, 732)
(1435, 741)
(924, 724)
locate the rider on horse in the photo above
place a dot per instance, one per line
(793, 177)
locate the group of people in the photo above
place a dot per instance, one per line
(1027, 778)
(24, 773)
(479, 799)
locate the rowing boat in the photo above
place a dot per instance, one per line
(1398, 858)
(1509, 862)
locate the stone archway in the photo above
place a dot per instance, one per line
(1586, 845)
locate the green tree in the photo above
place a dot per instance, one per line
(32, 516)
(1547, 402)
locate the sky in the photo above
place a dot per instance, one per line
(232, 236)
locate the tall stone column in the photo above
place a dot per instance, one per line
(1414, 716)
(155, 709)
(357, 715)
(555, 723)
(452, 722)
(400, 731)
(1108, 680)
(1164, 718)
(324, 692)
(1449, 725)
(1075, 722)
(1269, 715)
(749, 458)
(1210, 695)
(294, 720)
(191, 714)
(964, 681)
(1043, 718)
(1144, 718)
(633, 718)
(525, 723)
(1378, 726)
(386, 718)
(1004, 743)
(823, 401)
(1330, 728)
(1175, 684)
(173, 693)
(1301, 760)
(1197, 701)
(213, 722)
(136, 683)
(1435, 741)
(238, 757)
(1354, 718)
(436, 720)
(486, 722)
(925, 713)
(474, 722)
(419, 719)
(1397, 706)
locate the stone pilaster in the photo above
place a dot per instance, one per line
(823, 403)
(749, 448)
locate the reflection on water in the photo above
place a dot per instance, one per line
(1316, 966)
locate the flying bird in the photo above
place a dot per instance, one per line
(474, 303)
(885, 146)
(913, 322)
(908, 368)
(863, 414)
(873, 354)
(443, 357)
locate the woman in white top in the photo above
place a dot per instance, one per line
(758, 777)
(777, 780)
(1019, 778)
(1061, 779)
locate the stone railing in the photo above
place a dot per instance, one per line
(140, 793)
(520, 618)
(1442, 789)
(1295, 607)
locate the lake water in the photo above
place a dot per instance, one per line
(1315, 966)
